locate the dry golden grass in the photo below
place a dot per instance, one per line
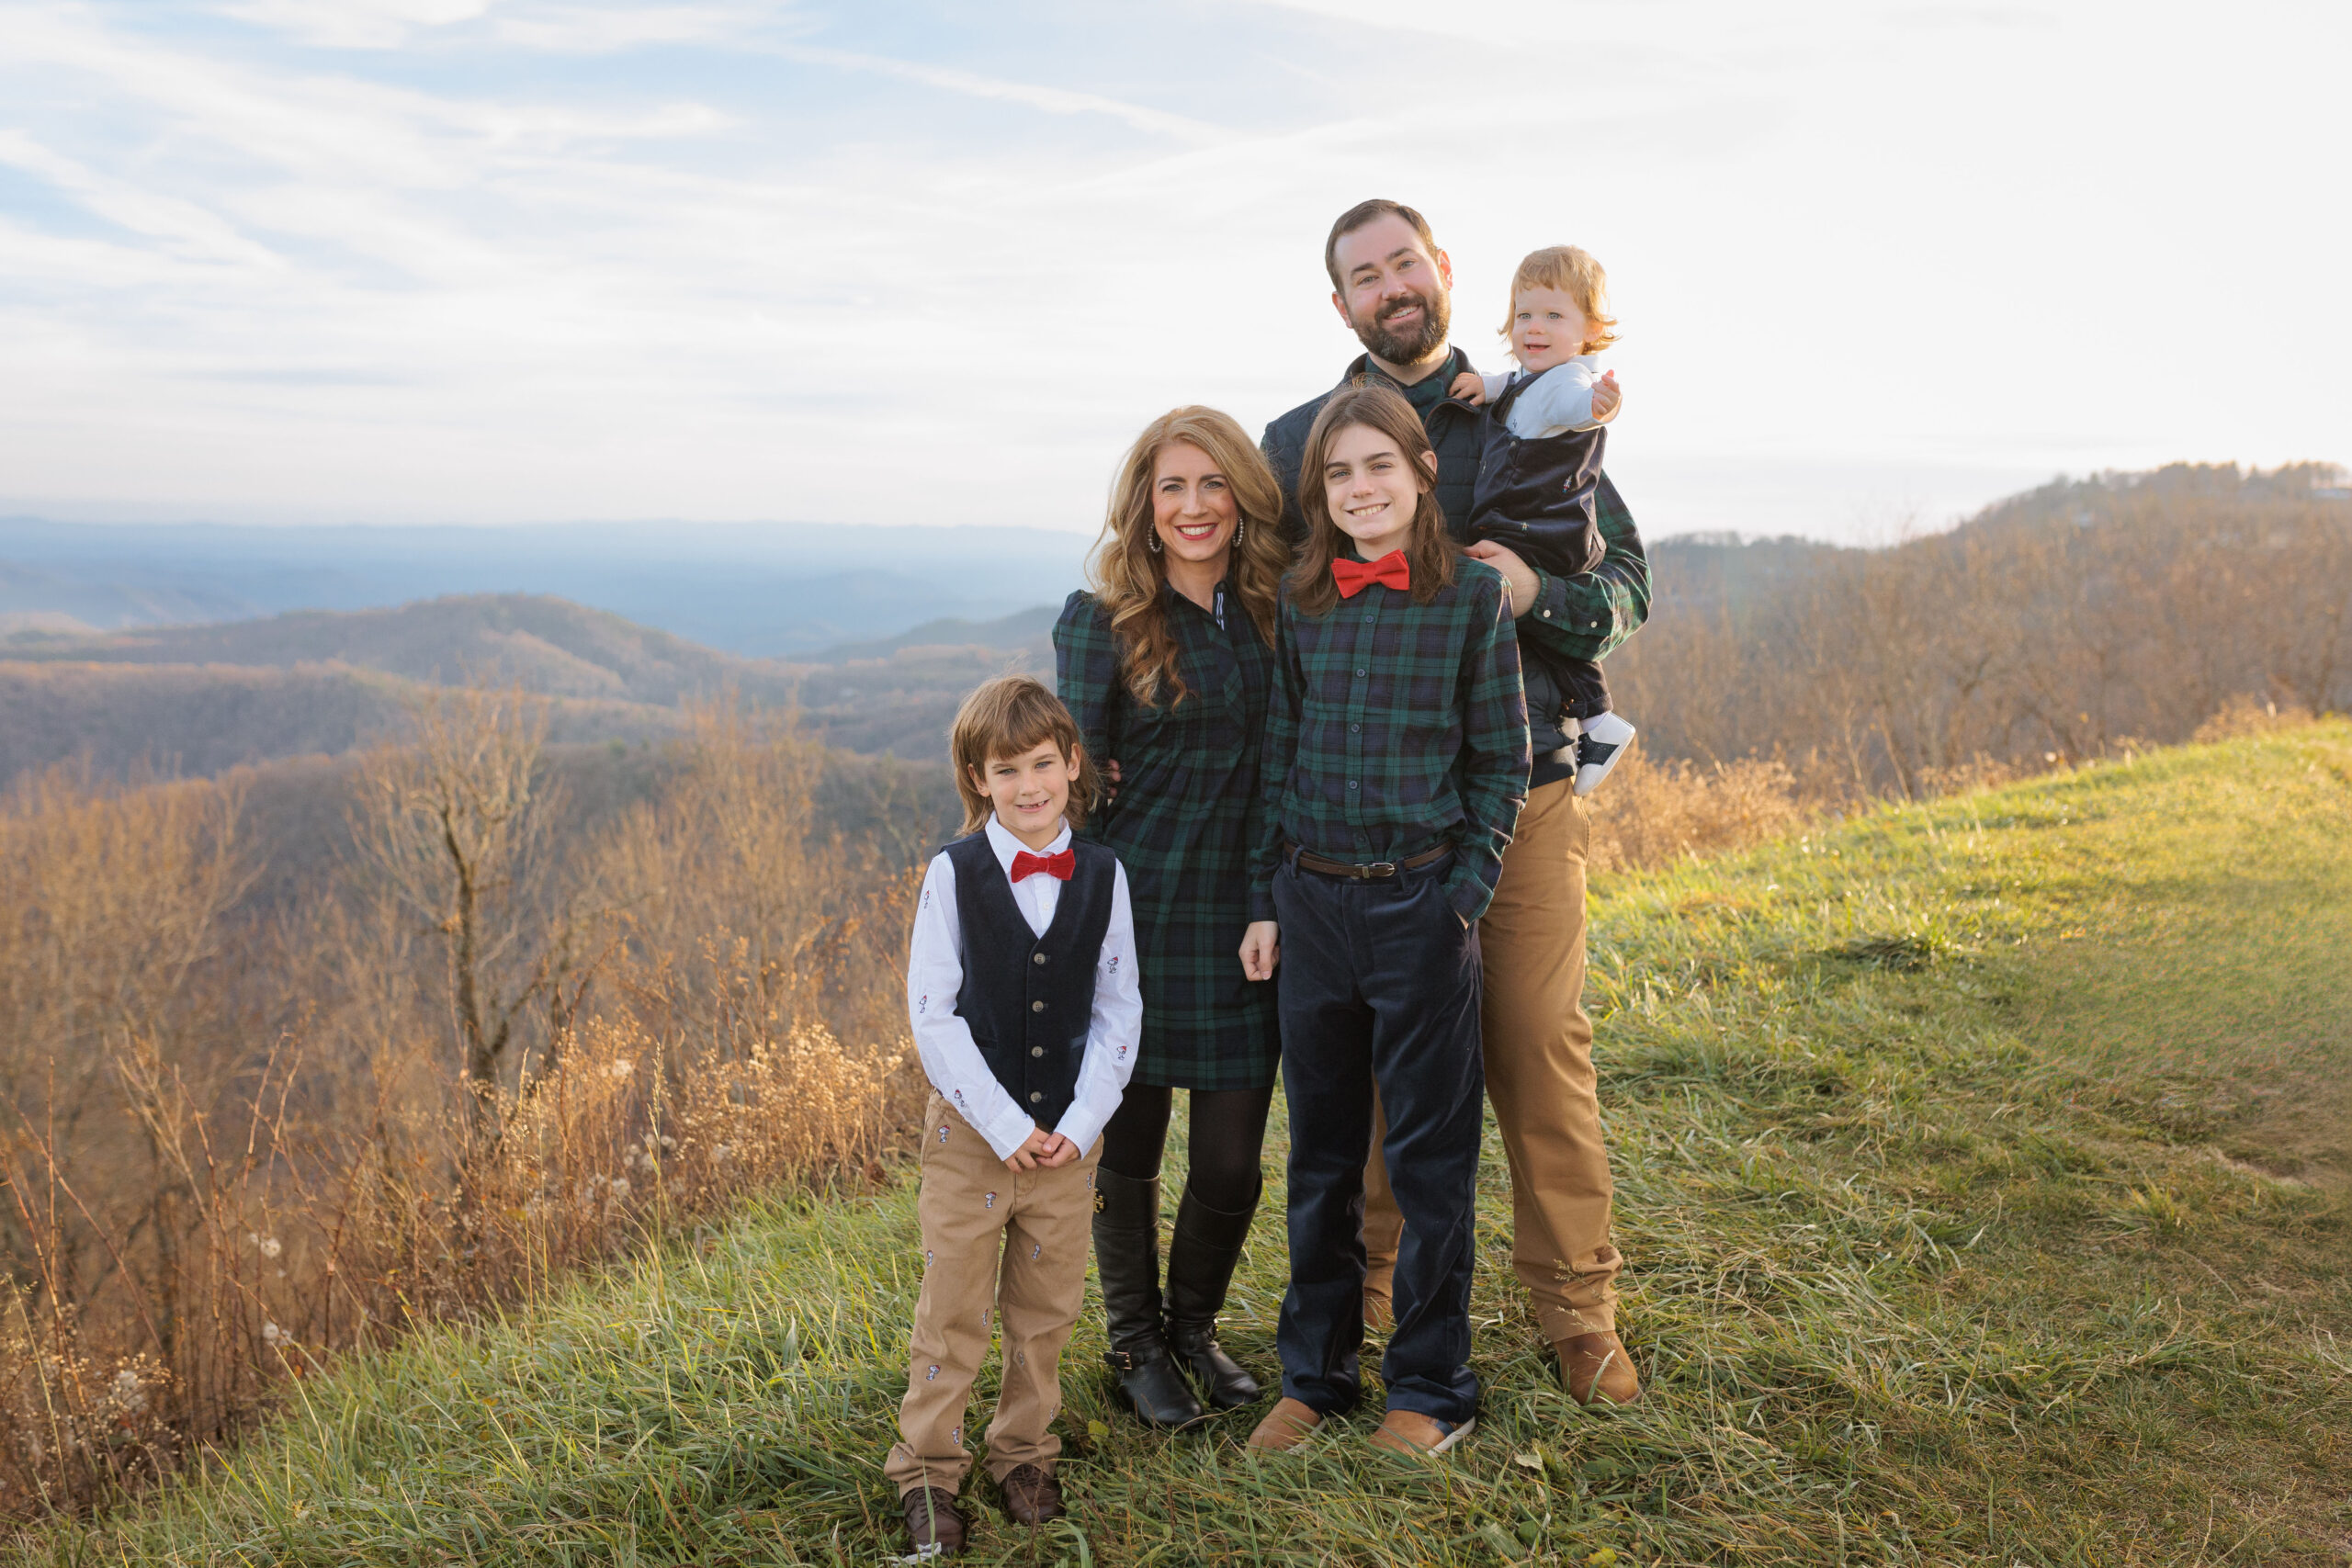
(2245, 715)
(1651, 813)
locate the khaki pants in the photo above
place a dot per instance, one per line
(996, 1243)
(1538, 1045)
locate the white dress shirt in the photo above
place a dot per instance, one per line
(1561, 399)
(950, 1059)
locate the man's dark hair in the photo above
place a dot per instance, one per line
(1362, 213)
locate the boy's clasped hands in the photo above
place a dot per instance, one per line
(1042, 1151)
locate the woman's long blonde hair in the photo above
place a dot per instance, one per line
(1130, 579)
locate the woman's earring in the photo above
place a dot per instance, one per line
(1237, 526)
(1152, 539)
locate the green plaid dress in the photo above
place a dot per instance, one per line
(1187, 807)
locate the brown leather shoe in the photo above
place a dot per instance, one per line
(1290, 1423)
(1416, 1435)
(1032, 1496)
(1596, 1370)
(932, 1521)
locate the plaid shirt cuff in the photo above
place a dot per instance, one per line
(1468, 893)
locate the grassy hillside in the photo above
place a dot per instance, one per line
(1983, 1169)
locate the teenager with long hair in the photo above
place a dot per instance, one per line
(1166, 663)
(1396, 765)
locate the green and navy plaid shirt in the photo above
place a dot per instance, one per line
(1394, 728)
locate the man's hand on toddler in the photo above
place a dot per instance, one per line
(1042, 1150)
(1606, 397)
(1518, 576)
(1470, 388)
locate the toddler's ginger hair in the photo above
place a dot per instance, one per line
(1572, 271)
(1012, 716)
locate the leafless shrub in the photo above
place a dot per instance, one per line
(505, 1044)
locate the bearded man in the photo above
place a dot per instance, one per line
(1392, 287)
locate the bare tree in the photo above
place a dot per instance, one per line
(454, 826)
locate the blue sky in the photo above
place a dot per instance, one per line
(526, 260)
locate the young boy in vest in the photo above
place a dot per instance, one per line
(1020, 984)
(1542, 466)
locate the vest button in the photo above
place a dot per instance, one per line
(1037, 958)
(1036, 1050)
(1038, 1006)
(1034, 1097)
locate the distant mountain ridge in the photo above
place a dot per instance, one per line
(1030, 629)
(756, 591)
(202, 696)
(547, 645)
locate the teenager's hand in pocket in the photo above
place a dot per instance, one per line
(1469, 387)
(1111, 771)
(1518, 576)
(1606, 398)
(1262, 949)
(1060, 1152)
(1032, 1151)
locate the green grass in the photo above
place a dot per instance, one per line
(1982, 1168)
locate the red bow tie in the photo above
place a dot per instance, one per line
(1059, 866)
(1352, 575)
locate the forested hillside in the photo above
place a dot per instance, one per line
(195, 700)
(2079, 620)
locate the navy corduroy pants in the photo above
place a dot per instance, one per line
(1379, 983)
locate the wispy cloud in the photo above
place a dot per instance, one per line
(186, 230)
(566, 29)
(1052, 100)
(355, 24)
(531, 258)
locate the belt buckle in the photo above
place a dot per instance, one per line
(1377, 869)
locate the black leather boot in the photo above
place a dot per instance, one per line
(1200, 1266)
(1127, 1256)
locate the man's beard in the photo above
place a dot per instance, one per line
(1437, 320)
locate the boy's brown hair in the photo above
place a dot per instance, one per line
(1429, 548)
(1574, 272)
(1012, 716)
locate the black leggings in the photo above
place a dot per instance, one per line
(1229, 1130)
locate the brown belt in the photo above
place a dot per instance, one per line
(1307, 860)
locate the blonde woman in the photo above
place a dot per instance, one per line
(1167, 663)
